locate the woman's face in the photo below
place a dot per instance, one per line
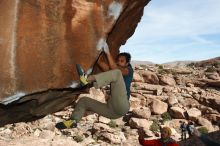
(164, 134)
(122, 61)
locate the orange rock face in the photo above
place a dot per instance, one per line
(41, 41)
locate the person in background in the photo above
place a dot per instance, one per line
(190, 128)
(165, 139)
(183, 130)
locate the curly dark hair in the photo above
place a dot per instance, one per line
(126, 55)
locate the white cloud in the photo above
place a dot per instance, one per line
(176, 25)
(182, 18)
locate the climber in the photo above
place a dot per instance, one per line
(165, 139)
(119, 75)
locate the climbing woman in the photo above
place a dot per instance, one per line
(118, 74)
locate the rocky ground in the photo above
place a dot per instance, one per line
(161, 96)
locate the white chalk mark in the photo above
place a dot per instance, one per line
(115, 9)
(12, 98)
(101, 44)
(74, 84)
(89, 71)
(13, 41)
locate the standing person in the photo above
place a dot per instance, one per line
(183, 128)
(165, 139)
(190, 128)
(119, 75)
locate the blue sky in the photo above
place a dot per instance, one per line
(172, 30)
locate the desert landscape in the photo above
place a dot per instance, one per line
(162, 95)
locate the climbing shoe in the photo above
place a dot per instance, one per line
(66, 124)
(82, 75)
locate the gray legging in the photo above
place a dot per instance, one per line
(117, 105)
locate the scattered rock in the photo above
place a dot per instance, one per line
(215, 118)
(143, 112)
(148, 101)
(204, 122)
(172, 100)
(158, 107)
(104, 120)
(134, 103)
(114, 138)
(194, 113)
(150, 77)
(167, 80)
(213, 76)
(47, 134)
(137, 77)
(37, 132)
(103, 127)
(140, 123)
(177, 112)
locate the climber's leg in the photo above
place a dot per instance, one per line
(117, 105)
(119, 99)
(85, 103)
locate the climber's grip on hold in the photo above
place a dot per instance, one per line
(121, 63)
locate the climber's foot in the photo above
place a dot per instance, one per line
(82, 75)
(66, 124)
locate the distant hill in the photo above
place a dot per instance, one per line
(202, 63)
(178, 63)
(208, 62)
(136, 63)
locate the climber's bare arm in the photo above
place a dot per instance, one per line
(103, 66)
(113, 65)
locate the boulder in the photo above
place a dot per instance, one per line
(212, 76)
(143, 112)
(177, 112)
(150, 77)
(41, 41)
(114, 138)
(172, 100)
(188, 102)
(206, 123)
(140, 123)
(158, 107)
(103, 127)
(167, 80)
(215, 118)
(211, 99)
(194, 113)
(104, 120)
(33, 141)
(137, 77)
(135, 103)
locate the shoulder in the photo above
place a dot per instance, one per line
(130, 69)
